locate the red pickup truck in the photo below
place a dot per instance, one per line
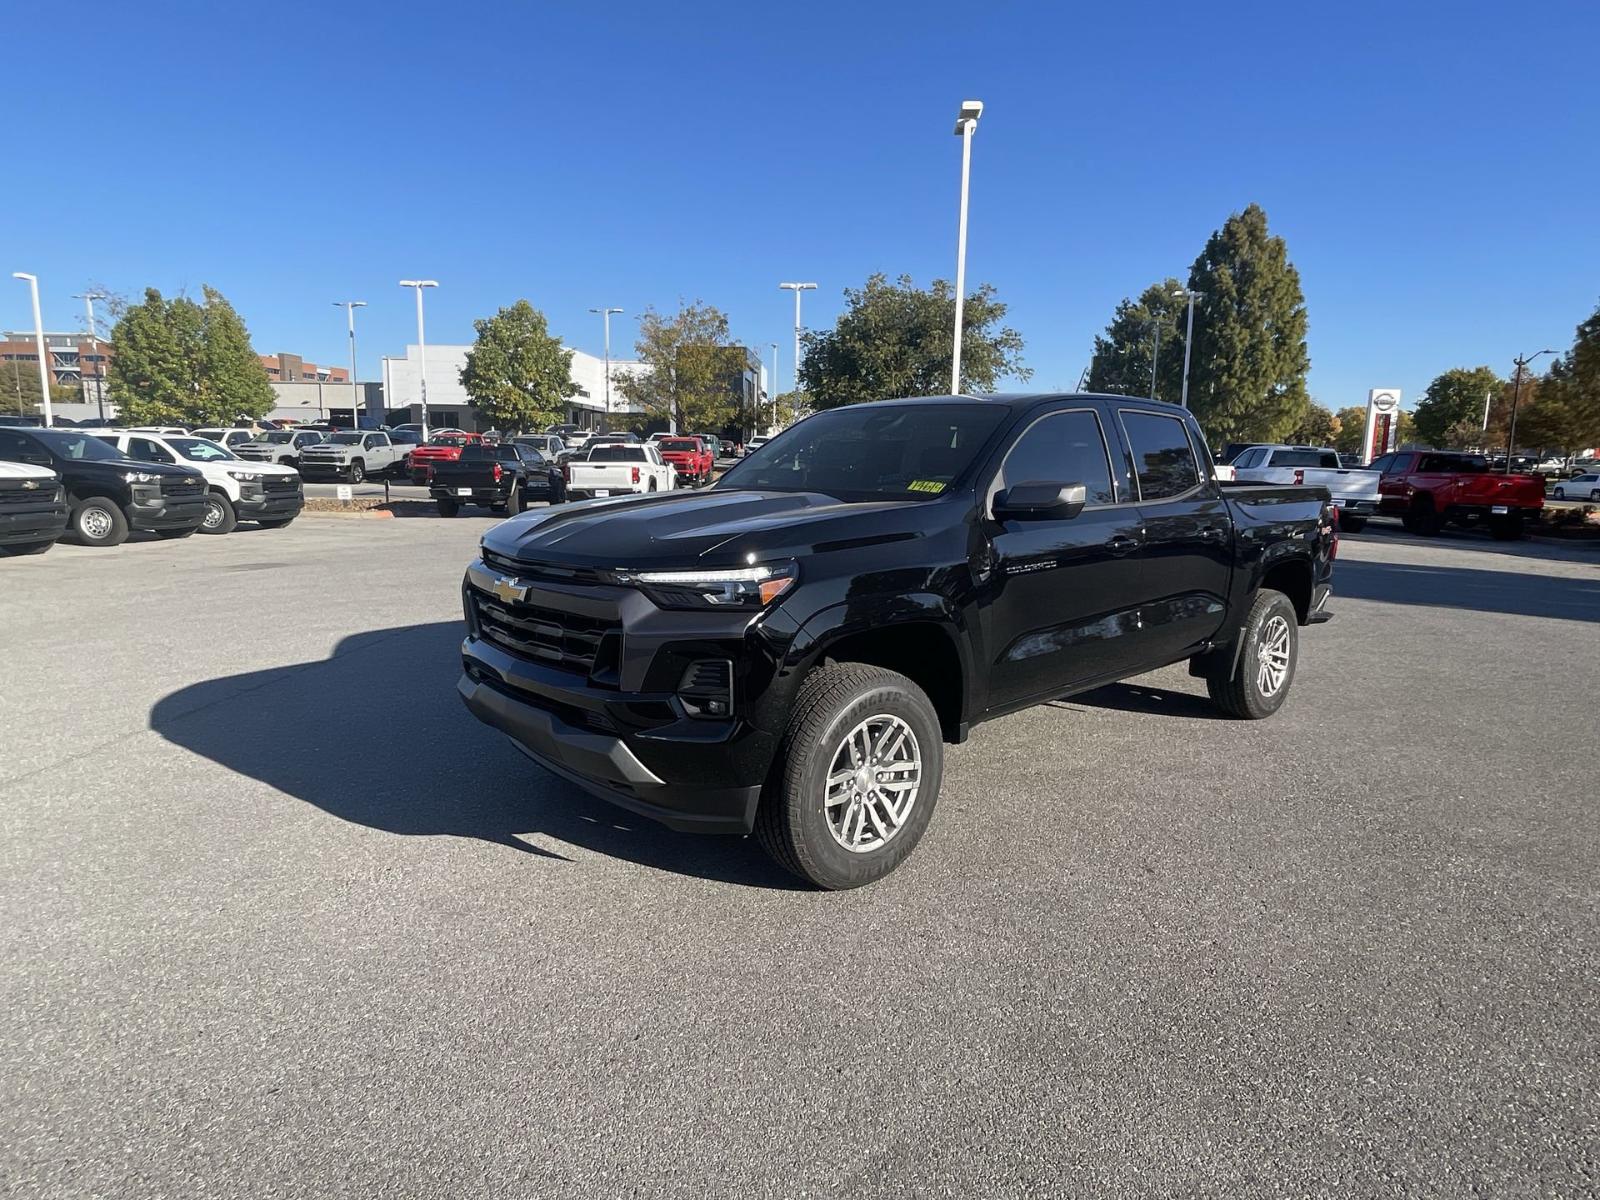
(1429, 489)
(441, 447)
(689, 457)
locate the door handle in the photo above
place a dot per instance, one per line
(1121, 544)
(1213, 533)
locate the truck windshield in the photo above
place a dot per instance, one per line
(345, 439)
(677, 444)
(77, 445)
(200, 450)
(277, 437)
(866, 452)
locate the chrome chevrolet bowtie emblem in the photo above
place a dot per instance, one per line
(29, 484)
(509, 590)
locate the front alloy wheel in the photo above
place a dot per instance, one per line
(873, 783)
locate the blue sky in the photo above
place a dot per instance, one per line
(1432, 168)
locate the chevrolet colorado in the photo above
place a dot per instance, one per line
(33, 508)
(787, 651)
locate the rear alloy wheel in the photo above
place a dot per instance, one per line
(1260, 681)
(856, 779)
(220, 516)
(98, 521)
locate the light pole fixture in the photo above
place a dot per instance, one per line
(422, 343)
(1188, 338)
(350, 307)
(88, 299)
(774, 346)
(38, 341)
(797, 288)
(1522, 360)
(605, 317)
(966, 126)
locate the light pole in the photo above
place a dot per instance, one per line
(422, 343)
(1188, 339)
(1522, 361)
(38, 341)
(1155, 356)
(350, 307)
(966, 126)
(88, 299)
(797, 288)
(774, 346)
(605, 317)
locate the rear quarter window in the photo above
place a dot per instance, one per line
(1163, 458)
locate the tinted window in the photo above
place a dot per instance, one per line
(677, 444)
(1250, 458)
(1062, 448)
(78, 445)
(14, 447)
(145, 450)
(1162, 456)
(1453, 464)
(1304, 458)
(617, 452)
(199, 450)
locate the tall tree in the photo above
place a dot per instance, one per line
(517, 374)
(893, 339)
(180, 363)
(1123, 355)
(1568, 410)
(1450, 413)
(688, 362)
(1352, 428)
(19, 389)
(1248, 372)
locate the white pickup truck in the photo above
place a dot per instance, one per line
(1354, 489)
(353, 455)
(236, 490)
(617, 469)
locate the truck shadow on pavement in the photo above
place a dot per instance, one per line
(1136, 697)
(1516, 593)
(375, 735)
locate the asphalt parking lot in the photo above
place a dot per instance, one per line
(282, 919)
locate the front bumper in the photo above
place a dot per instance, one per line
(1356, 507)
(44, 523)
(273, 506)
(311, 469)
(485, 496)
(153, 511)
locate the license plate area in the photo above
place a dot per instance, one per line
(1500, 510)
(602, 491)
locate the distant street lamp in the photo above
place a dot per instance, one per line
(1516, 395)
(966, 126)
(1188, 338)
(350, 307)
(422, 343)
(797, 288)
(605, 317)
(38, 341)
(88, 299)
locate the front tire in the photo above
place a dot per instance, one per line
(99, 521)
(27, 548)
(1259, 685)
(358, 471)
(1352, 524)
(856, 779)
(220, 514)
(1560, 494)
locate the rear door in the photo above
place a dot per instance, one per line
(1186, 560)
(1063, 595)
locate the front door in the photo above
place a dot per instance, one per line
(1063, 594)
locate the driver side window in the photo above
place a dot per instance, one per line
(1063, 447)
(145, 450)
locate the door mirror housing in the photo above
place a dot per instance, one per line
(1041, 501)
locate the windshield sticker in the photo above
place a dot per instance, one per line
(926, 485)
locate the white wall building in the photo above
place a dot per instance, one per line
(448, 403)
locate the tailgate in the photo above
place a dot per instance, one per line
(1347, 483)
(1518, 491)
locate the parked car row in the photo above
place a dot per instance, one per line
(99, 485)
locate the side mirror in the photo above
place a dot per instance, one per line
(1041, 501)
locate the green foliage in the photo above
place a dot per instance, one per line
(19, 389)
(180, 363)
(1317, 426)
(783, 410)
(689, 361)
(1352, 424)
(1122, 356)
(1247, 378)
(894, 339)
(517, 374)
(1450, 413)
(1567, 412)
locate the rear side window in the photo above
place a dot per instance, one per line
(1163, 459)
(1250, 458)
(1304, 458)
(1064, 447)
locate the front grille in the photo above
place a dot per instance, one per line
(547, 635)
(180, 486)
(15, 497)
(286, 484)
(543, 571)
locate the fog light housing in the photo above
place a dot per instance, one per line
(706, 689)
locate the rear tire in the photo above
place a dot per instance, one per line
(514, 503)
(99, 521)
(1560, 494)
(220, 514)
(1352, 524)
(448, 508)
(796, 824)
(652, 486)
(1421, 519)
(1266, 662)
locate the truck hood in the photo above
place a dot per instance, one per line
(710, 528)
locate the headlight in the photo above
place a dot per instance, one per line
(742, 587)
(139, 477)
(245, 476)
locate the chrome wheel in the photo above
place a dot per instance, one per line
(1272, 656)
(213, 514)
(873, 782)
(94, 523)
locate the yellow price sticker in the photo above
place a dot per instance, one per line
(926, 485)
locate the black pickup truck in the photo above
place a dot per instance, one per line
(108, 493)
(786, 651)
(504, 477)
